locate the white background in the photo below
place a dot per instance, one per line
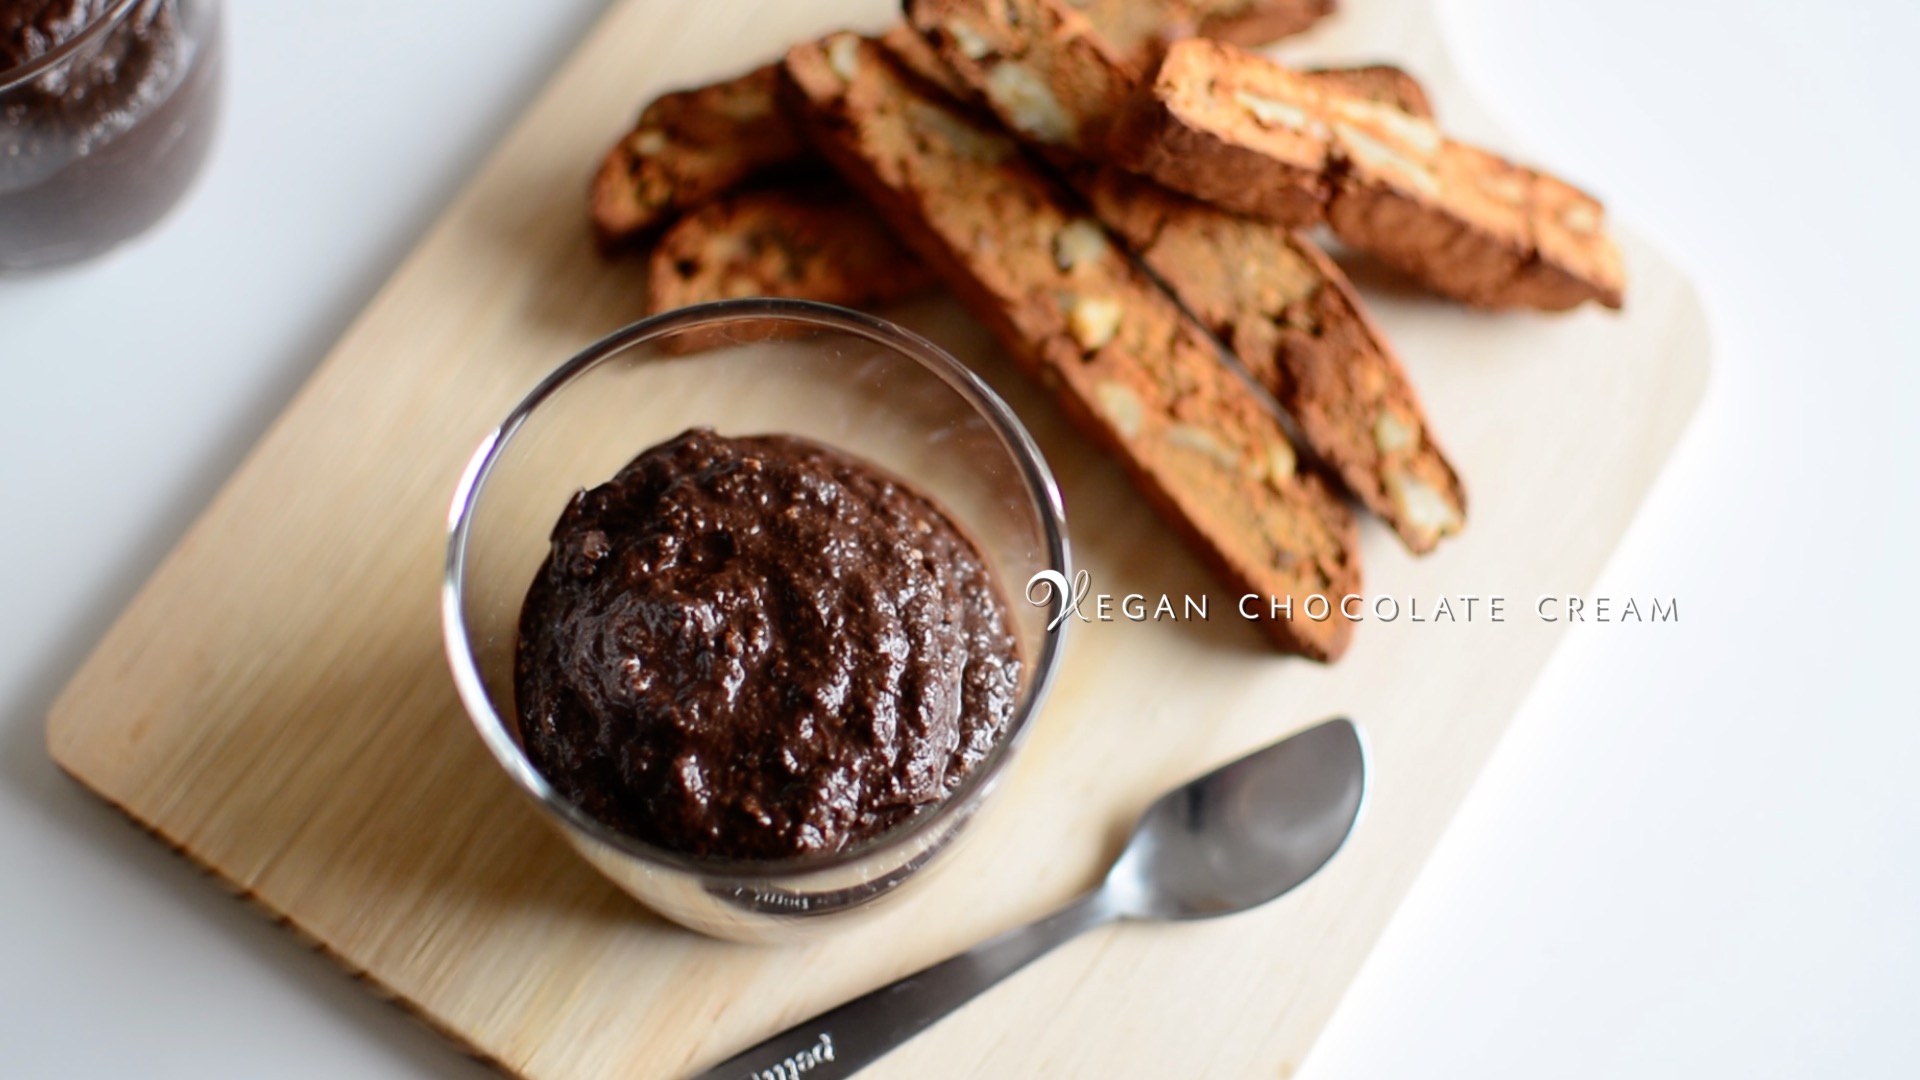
(1696, 854)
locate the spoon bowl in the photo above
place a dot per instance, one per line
(1246, 832)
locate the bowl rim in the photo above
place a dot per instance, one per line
(1037, 478)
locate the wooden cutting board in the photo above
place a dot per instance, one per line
(275, 703)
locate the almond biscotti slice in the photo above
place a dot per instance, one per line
(1470, 224)
(813, 241)
(1252, 23)
(688, 147)
(1250, 135)
(916, 55)
(1249, 138)
(1293, 319)
(1382, 83)
(1040, 65)
(1138, 31)
(694, 145)
(1121, 358)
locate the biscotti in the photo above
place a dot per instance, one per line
(687, 148)
(915, 54)
(1242, 136)
(1292, 318)
(694, 145)
(1472, 225)
(815, 241)
(1382, 83)
(1121, 358)
(1252, 23)
(1038, 64)
(1138, 31)
(1250, 135)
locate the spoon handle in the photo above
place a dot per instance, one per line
(844, 1040)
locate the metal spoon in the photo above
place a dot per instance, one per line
(1231, 840)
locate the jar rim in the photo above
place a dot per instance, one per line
(60, 54)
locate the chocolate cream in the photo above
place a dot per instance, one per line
(757, 648)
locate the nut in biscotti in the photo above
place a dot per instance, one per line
(1291, 317)
(688, 147)
(1245, 133)
(1121, 358)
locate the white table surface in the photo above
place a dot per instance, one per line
(1697, 852)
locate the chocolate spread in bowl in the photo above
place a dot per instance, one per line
(99, 145)
(760, 647)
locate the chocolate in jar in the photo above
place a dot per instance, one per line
(107, 111)
(760, 648)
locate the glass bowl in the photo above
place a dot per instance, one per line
(749, 367)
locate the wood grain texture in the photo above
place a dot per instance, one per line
(275, 702)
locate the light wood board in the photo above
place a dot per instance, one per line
(275, 702)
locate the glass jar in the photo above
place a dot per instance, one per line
(751, 367)
(107, 110)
